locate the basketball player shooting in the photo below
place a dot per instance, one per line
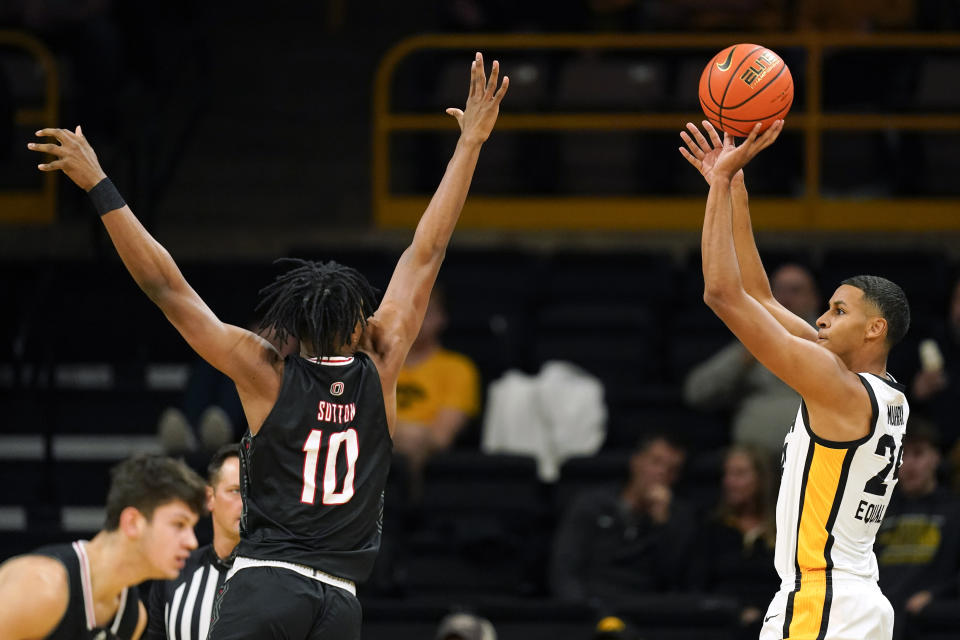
(315, 459)
(841, 456)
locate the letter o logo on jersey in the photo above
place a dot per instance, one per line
(336, 389)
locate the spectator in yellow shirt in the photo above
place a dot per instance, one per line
(438, 391)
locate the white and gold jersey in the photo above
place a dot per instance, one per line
(832, 499)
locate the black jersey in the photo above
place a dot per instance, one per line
(78, 621)
(313, 477)
(181, 609)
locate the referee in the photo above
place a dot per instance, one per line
(180, 609)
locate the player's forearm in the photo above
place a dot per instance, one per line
(752, 273)
(440, 217)
(150, 265)
(721, 272)
(754, 276)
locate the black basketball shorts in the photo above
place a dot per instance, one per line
(272, 603)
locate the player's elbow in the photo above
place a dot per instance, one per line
(427, 253)
(716, 296)
(157, 289)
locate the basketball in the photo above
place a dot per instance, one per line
(745, 84)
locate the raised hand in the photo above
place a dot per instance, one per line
(723, 159)
(74, 156)
(483, 102)
(702, 153)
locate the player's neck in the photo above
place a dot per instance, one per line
(113, 566)
(867, 363)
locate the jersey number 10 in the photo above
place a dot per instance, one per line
(312, 447)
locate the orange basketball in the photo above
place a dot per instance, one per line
(745, 84)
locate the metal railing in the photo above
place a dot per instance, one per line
(812, 211)
(32, 205)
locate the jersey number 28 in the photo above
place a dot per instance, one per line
(337, 440)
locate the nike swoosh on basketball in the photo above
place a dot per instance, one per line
(771, 617)
(723, 66)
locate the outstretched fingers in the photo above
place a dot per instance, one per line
(698, 136)
(492, 81)
(480, 79)
(689, 157)
(456, 113)
(695, 149)
(56, 165)
(752, 136)
(52, 149)
(714, 136)
(502, 91)
(771, 134)
(60, 134)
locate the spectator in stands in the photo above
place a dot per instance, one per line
(918, 544)
(465, 626)
(935, 385)
(612, 545)
(733, 554)
(438, 391)
(169, 606)
(763, 405)
(210, 415)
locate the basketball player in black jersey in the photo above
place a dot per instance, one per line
(85, 590)
(314, 462)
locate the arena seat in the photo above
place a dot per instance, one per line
(604, 470)
(476, 526)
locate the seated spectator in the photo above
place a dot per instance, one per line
(613, 545)
(437, 391)
(935, 375)
(918, 544)
(733, 555)
(763, 406)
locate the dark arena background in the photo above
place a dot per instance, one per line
(244, 132)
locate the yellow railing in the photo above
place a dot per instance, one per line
(811, 212)
(31, 205)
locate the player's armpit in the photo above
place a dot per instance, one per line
(818, 375)
(34, 592)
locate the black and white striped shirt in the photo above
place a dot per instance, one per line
(181, 609)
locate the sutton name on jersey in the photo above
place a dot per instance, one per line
(336, 413)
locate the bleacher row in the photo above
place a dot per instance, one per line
(88, 364)
(598, 162)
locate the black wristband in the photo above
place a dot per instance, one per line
(105, 197)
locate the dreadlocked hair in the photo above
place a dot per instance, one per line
(321, 302)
